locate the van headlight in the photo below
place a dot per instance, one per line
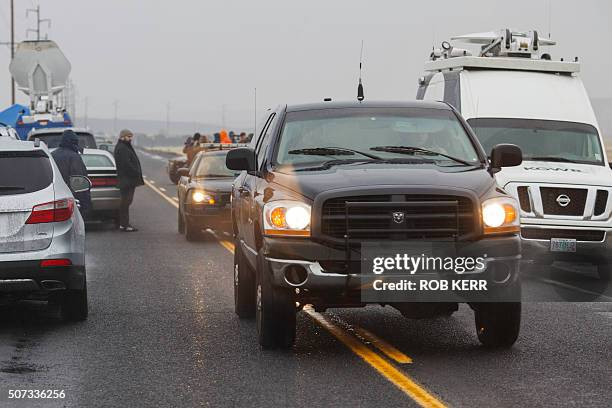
(287, 217)
(500, 215)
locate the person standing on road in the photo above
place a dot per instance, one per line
(192, 149)
(70, 163)
(129, 174)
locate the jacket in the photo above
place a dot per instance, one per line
(129, 171)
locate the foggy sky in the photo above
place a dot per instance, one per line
(200, 55)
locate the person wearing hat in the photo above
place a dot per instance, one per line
(70, 163)
(129, 174)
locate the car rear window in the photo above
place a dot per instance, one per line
(53, 140)
(24, 172)
(97, 160)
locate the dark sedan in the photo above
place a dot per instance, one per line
(204, 194)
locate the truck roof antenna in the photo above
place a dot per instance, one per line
(360, 95)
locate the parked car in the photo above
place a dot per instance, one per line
(53, 136)
(322, 180)
(519, 94)
(42, 236)
(204, 194)
(105, 194)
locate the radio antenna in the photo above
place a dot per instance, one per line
(360, 95)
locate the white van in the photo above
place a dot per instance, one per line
(510, 92)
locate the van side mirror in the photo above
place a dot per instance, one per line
(506, 155)
(242, 158)
(183, 172)
(80, 184)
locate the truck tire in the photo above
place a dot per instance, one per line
(498, 324)
(244, 285)
(74, 305)
(275, 311)
(181, 223)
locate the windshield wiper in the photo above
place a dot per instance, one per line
(332, 151)
(326, 165)
(9, 188)
(414, 150)
(550, 158)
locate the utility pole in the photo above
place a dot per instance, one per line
(168, 119)
(115, 106)
(12, 50)
(38, 21)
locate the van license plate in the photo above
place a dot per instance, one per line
(562, 245)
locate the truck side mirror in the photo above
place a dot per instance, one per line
(506, 155)
(80, 184)
(242, 158)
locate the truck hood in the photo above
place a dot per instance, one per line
(220, 185)
(556, 173)
(311, 183)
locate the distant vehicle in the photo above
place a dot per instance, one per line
(181, 161)
(105, 194)
(8, 132)
(52, 137)
(512, 92)
(42, 239)
(204, 194)
(321, 181)
(107, 145)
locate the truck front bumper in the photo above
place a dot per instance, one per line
(597, 250)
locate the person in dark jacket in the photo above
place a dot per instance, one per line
(129, 174)
(70, 163)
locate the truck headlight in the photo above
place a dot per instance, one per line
(200, 197)
(500, 215)
(287, 217)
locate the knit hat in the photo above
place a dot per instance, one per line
(124, 133)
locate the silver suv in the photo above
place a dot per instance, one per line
(42, 235)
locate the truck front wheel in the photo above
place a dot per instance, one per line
(275, 311)
(498, 324)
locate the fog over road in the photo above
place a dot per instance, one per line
(162, 332)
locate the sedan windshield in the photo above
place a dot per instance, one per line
(542, 140)
(396, 135)
(213, 165)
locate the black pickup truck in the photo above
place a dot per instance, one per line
(321, 181)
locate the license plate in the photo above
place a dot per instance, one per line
(562, 245)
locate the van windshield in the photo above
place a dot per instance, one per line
(417, 135)
(542, 140)
(52, 140)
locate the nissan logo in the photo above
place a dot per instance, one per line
(563, 200)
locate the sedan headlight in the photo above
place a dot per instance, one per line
(500, 215)
(202, 197)
(286, 217)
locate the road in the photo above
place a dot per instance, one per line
(162, 332)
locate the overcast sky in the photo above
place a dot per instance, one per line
(200, 55)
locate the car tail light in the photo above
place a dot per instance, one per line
(55, 211)
(104, 181)
(55, 262)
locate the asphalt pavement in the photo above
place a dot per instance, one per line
(162, 333)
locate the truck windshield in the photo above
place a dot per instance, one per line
(409, 135)
(542, 140)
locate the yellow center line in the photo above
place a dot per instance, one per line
(386, 369)
(389, 350)
(415, 391)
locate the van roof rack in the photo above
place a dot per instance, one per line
(503, 49)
